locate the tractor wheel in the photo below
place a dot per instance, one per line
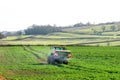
(48, 60)
(51, 60)
(65, 62)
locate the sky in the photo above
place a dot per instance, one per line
(20, 14)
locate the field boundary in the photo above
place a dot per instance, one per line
(76, 44)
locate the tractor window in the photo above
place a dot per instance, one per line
(63, 53)
(59, 48)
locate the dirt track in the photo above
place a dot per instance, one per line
(35, 53)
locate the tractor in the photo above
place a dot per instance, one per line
(59, 55)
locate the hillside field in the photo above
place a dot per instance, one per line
(96, 35)
(87, 63)
(62, 39)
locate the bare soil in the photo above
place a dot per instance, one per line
(2, 78)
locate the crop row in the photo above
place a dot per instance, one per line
(87, 63)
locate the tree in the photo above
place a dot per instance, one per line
(78, 25)
(1, 36)
(118, 27)
(88, 24)
(103, 28)
(42, 29)
(113, 28)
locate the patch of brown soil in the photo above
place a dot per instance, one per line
(2, 78)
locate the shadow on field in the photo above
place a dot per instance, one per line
(40, 64)
(78, 67)
(58, 65)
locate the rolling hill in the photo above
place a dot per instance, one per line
(95, 35)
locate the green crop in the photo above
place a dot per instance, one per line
(87, 63)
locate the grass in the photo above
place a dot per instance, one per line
(89, 30)
(87, 63)
(15, 37)
(95, 40)
(71, 36)
(111, 33)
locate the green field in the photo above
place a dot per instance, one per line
(95, 55)
(63, 39)
(89, 35)
(87, 63)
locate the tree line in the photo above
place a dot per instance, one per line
(46, 29)
(1, 36)
(42, 29)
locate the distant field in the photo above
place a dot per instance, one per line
(87, 63)
(90, 35)
(91, 29)
(112, 33)
(61, 39)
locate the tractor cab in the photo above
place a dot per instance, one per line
(59, 55)
(59, 48)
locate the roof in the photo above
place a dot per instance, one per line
(60, 46)
(63, 50)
